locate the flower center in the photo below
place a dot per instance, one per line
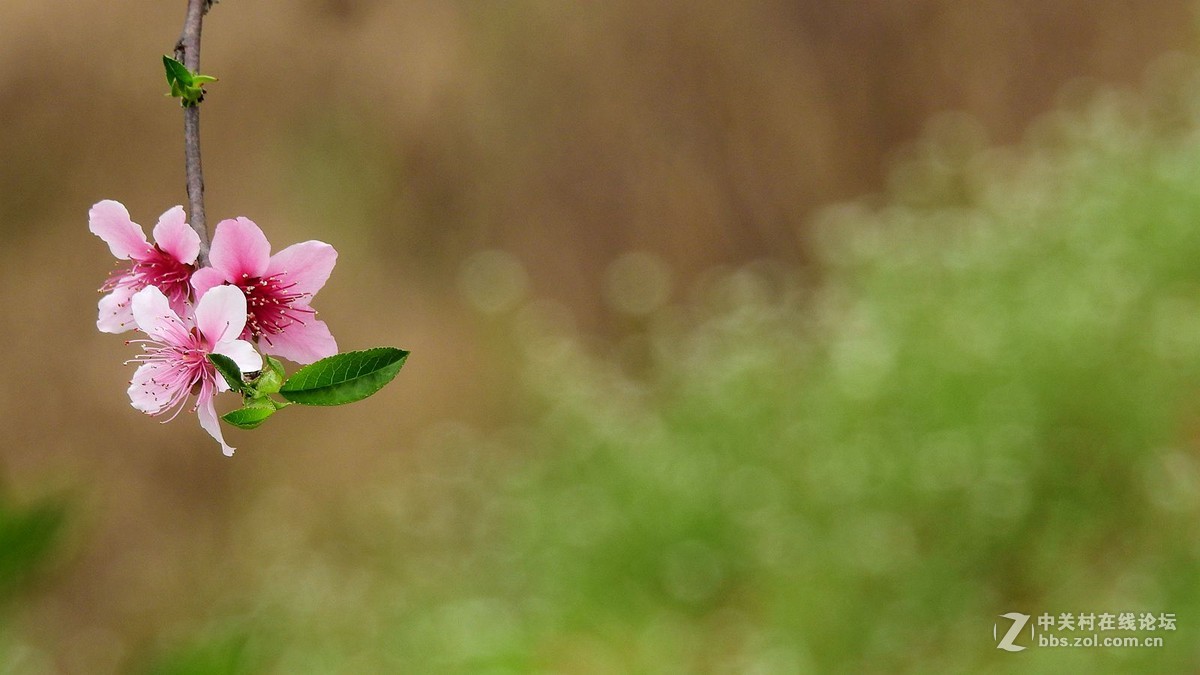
(181, 369)
(272, 305)
(157, 268)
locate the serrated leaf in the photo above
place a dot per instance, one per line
(275, 365)
(344, 378)
(228, 370)
(249, 417)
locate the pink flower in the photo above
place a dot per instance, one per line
(167, 264)
(278, 288)
(175, 353)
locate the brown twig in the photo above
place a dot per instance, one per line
(187, 50)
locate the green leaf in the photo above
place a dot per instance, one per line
(177, 73)
(344, 378)
(255, 413)
(185, 85)
(228, 370)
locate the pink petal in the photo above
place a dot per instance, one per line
(146, 390)
(173, 235)
(307, 265)
(206, 278)
(242, 353)
(207, 413)
(302, 343)
(221, 314)
(239, 249)
(116, 312)
(110, 221)
(153, 314)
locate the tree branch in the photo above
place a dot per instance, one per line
(187, 50)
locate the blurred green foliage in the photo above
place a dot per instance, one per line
(983, 405)
(227, 651)
(989, 405)
(27, 536)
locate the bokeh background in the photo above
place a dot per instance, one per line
(748, 337)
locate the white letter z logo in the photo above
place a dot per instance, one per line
(1018, 622)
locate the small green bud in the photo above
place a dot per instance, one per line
(185, 85)
(268, 382)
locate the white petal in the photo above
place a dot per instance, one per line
(146, 391)
(221, 314)
(115, 311)
(153, 314)
(242, 353)
(208, 418)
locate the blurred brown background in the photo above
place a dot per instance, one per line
(411, 135)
